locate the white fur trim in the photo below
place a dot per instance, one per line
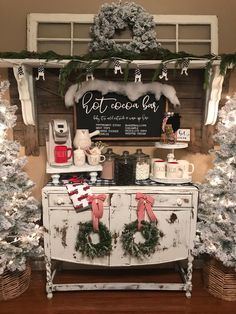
(70, 95)
(131, 89)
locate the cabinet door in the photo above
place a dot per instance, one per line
(173, 246)
(64, 227)
(120, 213)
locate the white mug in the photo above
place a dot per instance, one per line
(159, 168)
(173, 170)
(152, 164)
(187, 167)
(95, 159)
(79, 157)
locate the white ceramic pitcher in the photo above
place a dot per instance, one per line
(82, 138)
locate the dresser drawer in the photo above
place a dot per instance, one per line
(168, 200)
(60, 200)
(63, 200)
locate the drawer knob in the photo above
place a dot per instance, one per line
(179, 202)
(60, 201)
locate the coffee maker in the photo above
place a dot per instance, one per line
(59, 146)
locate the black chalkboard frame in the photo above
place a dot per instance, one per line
(152, 135)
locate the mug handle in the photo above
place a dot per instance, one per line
(70, 152)
(192, 170)
(102, 158)
(180, 169)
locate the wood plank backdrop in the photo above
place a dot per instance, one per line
(50, 105)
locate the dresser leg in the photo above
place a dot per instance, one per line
(48, 277)
(189, 275)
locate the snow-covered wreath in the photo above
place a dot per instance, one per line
(114, 18)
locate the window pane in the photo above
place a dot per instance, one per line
(80, 48)
(82, 30)
(170, 46)
(59, 47)
(165, 31)
(194, 31)
(54, 30)
(123, 34)
(198, 49)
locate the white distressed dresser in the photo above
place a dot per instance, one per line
(61, 223)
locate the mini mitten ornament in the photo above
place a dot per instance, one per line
(20, 72)
(137, 75)
(41, 73)
(164, 72)
(89, 73)
(117, 67)
(185, 66)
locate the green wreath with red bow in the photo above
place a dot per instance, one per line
(84, 242)
(140, 250)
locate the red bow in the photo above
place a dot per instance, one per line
(97, 208)
(145, 202)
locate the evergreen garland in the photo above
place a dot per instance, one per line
(140, 250)
(85, 245)
(78, 64)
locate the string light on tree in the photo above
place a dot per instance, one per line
(217, 204)
(18, 211)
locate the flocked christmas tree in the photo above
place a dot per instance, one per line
(216, 234)
(19, 212)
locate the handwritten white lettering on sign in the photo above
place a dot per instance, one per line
(183, 135)
(100, 104)
(116, 116)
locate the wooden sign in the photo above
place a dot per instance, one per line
(117, 117)
(183, 135)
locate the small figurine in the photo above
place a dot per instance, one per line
(168, 137)
(170, 125)
(137, 75)
(184, 67)
(164, 72)
(20, 72)
(41, 73)
(117, 67)
(89, 73)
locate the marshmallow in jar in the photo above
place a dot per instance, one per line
(142, 165)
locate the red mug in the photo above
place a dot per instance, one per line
(62, 153)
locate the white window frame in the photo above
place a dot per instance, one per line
(34, 19)
(178, 20)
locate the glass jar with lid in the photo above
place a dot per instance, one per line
(125, 169)
(108, 166)
(142, 165)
